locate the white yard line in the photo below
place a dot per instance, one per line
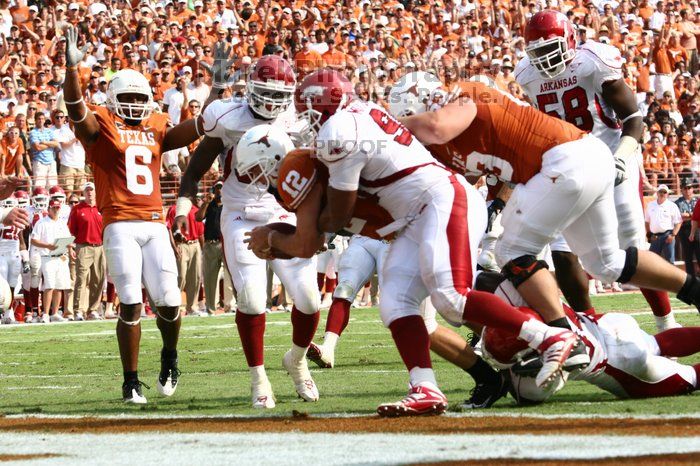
(327, 449)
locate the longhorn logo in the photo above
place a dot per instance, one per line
(263, 140)
(411, 90)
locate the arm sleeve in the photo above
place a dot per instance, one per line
(337, 146)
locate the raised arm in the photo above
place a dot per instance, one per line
(443, 125)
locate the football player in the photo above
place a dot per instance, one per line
(625, 360)
(439, 221)
(124, 141)
(11, 246)
(31, 276)
(585, 87)
(564, 184)
(358, 263)
(246, 204)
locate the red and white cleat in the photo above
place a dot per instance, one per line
(422, 399)
(318, 356)
(555, 350)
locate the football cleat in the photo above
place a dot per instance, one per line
(262, 395)
(555, 350)
(422, 399)
(131, 392)
(9, 317)
(44, 319)
(167, 379)
(578, 359)
(485, 395)
(57, 318)
(299, 371)
(529, 365)
(320, 357)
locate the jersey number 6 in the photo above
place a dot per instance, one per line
(139, 179)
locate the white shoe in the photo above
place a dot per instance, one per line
(299, 371)
(321, 356)
(79, 317)
(616, 287)
(93, 315)
(56, 318)
(110, 314)
(9, 317)
(556, 346)
(262, 396)
(195, 313)
(28, 319)
(132, 393)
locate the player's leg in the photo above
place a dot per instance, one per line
(160, 280)
(355, 268)
(35, 281)
(631, 233)
(297, 276)
(249, 275)
(571, 278)
(124, 262)
(678, 342)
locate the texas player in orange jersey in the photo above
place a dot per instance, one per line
(564, 185)
(124, 143)
(302, 181)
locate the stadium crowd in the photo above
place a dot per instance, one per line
(374, 43)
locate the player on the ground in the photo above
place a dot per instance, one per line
(565, 186)
(585, 87)
(439, 220)
(124, 142)
(247, 204)
(625, 360)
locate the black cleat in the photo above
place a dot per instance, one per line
(132, 393)
(167, 379)
(485, 395)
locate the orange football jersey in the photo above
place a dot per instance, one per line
(125, 162)
(507, 137)
(299, 171)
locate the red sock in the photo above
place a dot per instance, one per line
(658, 301)
(331, 284)
(490, 310)
(251, 329)
(111, 292)
(338, 316)
(200, 296)
(320, 279)
(34, 294)
(303, 327)
(679, 342)
(412, 341)
(27, 299)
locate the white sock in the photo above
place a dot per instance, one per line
(330, 340)
(419, 375)
(298, 353)
(665, 322)
(258, 375)
(533, 332)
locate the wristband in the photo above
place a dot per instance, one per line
(628, 145)
(81, 120)
(633, 115)
(183, 205)
(74, 103)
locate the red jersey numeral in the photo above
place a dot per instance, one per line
(391, 126)
(575, 103)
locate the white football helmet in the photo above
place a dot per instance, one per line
(414, 93)
(258, 154)
(40, 198)
(129, 81)
(10, 202)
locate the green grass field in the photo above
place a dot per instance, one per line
(74, 369)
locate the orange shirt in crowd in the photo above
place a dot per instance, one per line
(662, 61)
(12, 155)
(306, 62)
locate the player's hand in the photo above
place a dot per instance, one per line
(222, 60)
(8, 185)
(18, 218)
(257, 242)
(493, 210)
(51, 247)
(620, 171)
(74, 55)
(180, 228)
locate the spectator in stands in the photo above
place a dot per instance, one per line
(690, 248)
(71, 153)
(663, 221)
(85, 223)
(54, 265)
(189, 257)
(43, 145)
(12, 153)
(174, 98)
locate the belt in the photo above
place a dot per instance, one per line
(659, 235)
(212, 241)
(56, 255)
(192, 241)
(94, 245)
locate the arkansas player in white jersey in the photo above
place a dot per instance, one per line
(248, 204)
(585, 87)
(11, 242)
(440, 220)
(625, 360)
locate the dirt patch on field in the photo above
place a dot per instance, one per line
(682, 427)
(40, 456)
(677, 459)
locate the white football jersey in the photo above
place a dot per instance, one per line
(228, 119)
(9, 240)
(576, 95)
(367, 149)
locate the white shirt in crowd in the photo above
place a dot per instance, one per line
(174, 100)
(72, 155)
(48, 230)
(662, 217)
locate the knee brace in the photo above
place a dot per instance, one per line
(630, 267)
(520, 269)
(344, 291)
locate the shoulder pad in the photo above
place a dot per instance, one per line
(602, 54)
(337, 137)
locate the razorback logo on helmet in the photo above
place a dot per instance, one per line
(320, 95)
(270, 86)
